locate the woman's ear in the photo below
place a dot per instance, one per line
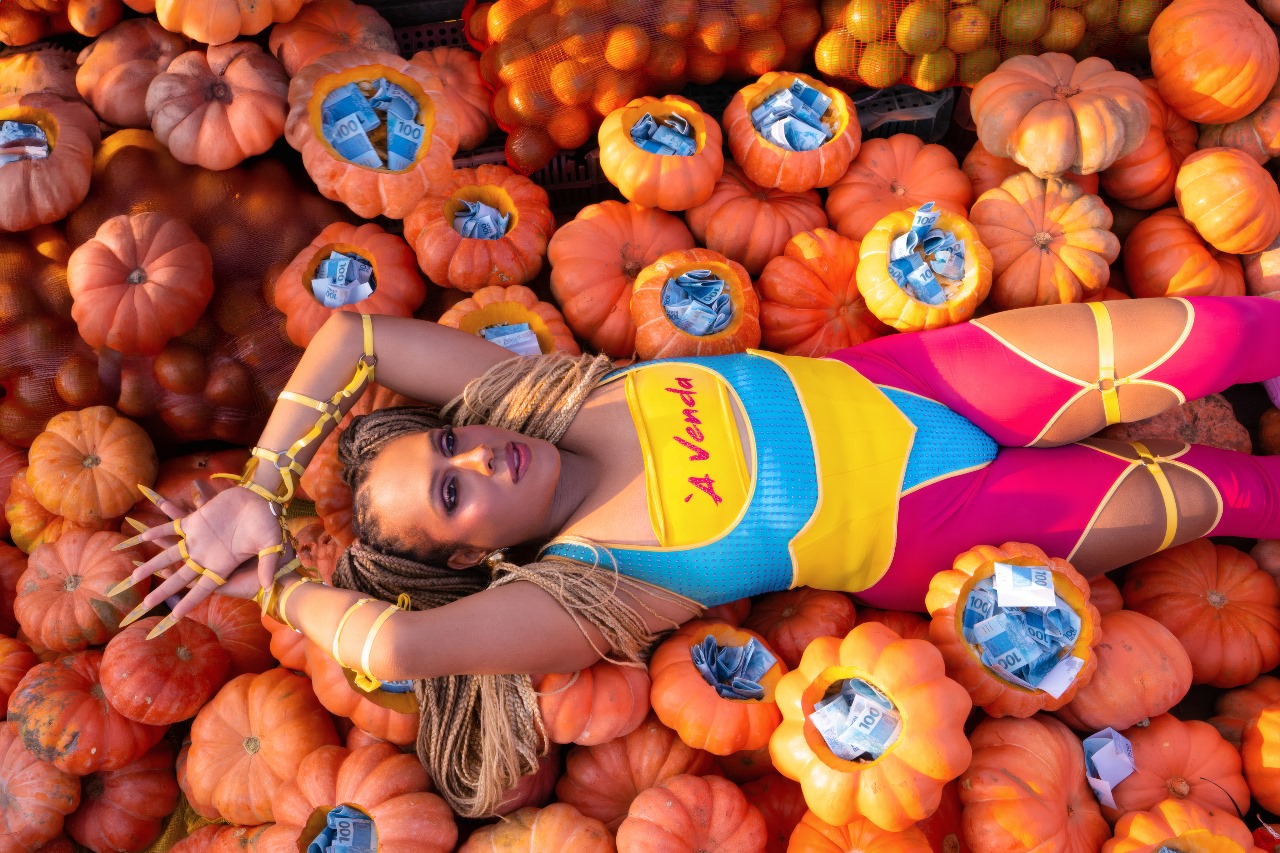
(466, 557)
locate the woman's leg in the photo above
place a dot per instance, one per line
(1100, 504)
(1055, 374)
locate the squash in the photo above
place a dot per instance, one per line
(141, 281)
(203, 809)
(329, 26)
(118, 67)
(814, 835)
(1104, 595)
(1262, 270)
(789, 620)
(464, 91)
(658, 337)
(595, 259)
(908, 625)
(287, 646)
(177, 481)
(470, 263)
(237, 623)
(1236, 708)
(1049, 241)
(19, 26)
(1165, 256)
(491, 306)
(35, 796)
(1177, 819)
(593, 706)
(1257, 134)
(92, 17)
(165, 680)
(1144, 177)
(125, 809)
(781, 803)
(687, 814)
(38, 192)
(558, 826)
(893, 174)
(12, 460)
(1258, 750)
(31, 525)
(1054, 115)
(669, 182)
(216, 22)
(40, 69)
(1229, 199)
(16, 660)
(340, 698)
(986, 171)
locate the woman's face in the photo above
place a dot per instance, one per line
(480, 487)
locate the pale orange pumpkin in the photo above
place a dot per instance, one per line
(558, 826)
(1259, 751)
(1231, 201)
(329, 26)
(1164, 256)
(216, 22)
(1144, 177)
(986, 171)
(490, 306)
(117, 68)
(30, 524)
(37, 192)
(341, 699)
(594, 705)
(1235, 708)
(658, 337)
(38, 69)
(1257, 134)
(689, 814)
(669, 182)
(1175, 820)
(464, 91)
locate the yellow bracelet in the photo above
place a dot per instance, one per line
(281, 602)
(364, 678)
(342, 623)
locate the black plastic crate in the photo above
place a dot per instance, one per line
(411, 13)
(411, 39)
(902, 109)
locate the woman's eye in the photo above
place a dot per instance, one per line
(450, 443)
(450, 495)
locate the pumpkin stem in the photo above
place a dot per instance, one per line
(631, 265)
(70, 582)
(91, 461)
(1042, 239)
(220, 91)
(897, 188)
(251, 745)
(1064, 92)
(96, 692)
(788, 611)
(1179, 787)
(183, 653)
(138, 276)
(1217, 599)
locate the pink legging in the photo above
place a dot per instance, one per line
(1051, 496)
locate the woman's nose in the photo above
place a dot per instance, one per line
(478, 459)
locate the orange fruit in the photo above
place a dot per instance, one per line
(1136, 16)
(757, 14)
(1013, 48)
(614, 89)
(1099, 14)
(564, 7)
(922, 27)
(490, 68)
(502, 111)
(677, 18)
(582, 36)
(976, 64)
(833, 12)
(571, 82)
(570, 127)
(799, 27)
(991, 8)
(478, 23)
(668, 61)
(932, 72)
(967, 28)
(631, 11)
(543, 31)
(506, 17)
(529, 149)
(1024, 21)
(627, 47)
(837, 54)
(760, 52)
(705, 67)
(1066, 29)
(717, 31)
(531, 101)
(868, 20)
(882, 64)
(515, 58)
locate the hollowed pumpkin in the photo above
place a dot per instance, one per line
(496, 306)
(669, 182)
(37, 192)
(658, 337)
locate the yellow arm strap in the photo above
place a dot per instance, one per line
(335, 651)
(1166, 493)
(364, 679)
(1107, 379)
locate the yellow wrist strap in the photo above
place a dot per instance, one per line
(283, 600)
(342, 623)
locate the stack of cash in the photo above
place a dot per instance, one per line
(917, 257)
(22, 141)
(1108, 761)
(857, 722)
(517, 337)
(734, 671)
(348, 117)
(792, 118)
(479, 221)
(343, 279)
(698, 303)
(404, 685)
(1023, 631)
(672, 135)
(346, 830)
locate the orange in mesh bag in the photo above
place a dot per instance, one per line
(558, 67)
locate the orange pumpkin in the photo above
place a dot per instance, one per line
(19, 26)
(1144, 177)
(781, 803)
(1214, 60)
(751, 224)
(1236, 708)
(687, 814)
(1049, 241)
(732, 612)
(329, 26)
(904, 784)
(1026, 788)
(165, 680)
(593, 706)
(1104, 595)
(16, 660)
(399, 289)
(1257, 134)
(893, 174)
(38, 192)
(371, 191)
(216, 22)
(1222, 608)
(237, 623)
(1172, 820)
(12, 460)
(491, 306)
(670, 182)
(464, 91)
(35, 796)
(1038, 110)
(141, 281)
(1262, 270)
(40, 69)
(595, 259)
(203, 809)
(1260, 755)
(558, 826)
(341, 699)
(469, 263)
(986, 171)
(684, 700)
(948, 595)
(1231, 201)
(116, 69)
(814, 835)
(1164, 256)
(809, 299)
(217, 108)
(125, 809)
(791, 171)
(658, 337)
(86, 466)
(790, 620)
(31, 525)
(908, 625)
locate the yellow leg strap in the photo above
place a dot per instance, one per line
(1166, 493)
(1107, 379)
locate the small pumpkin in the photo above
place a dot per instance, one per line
(203, 809)
(341, 699)
(1164, 256)
(595, 259)
(125, 809)
(1104, 595)
(1144, 177)
(558, 826)
(1257, 134)
(464, 91)
(593, 706)
(38, 192)
(41, 69)
(790, 620)
(1262, 270)
(287, 646)
(1259, 748)
(12, 460)
(658, 337)
(216, 22)
(237, 623)
(1050, 242)
(16, 660)
(1235, 708)
(986, 171)
(907, 625)
(35, 796)
(781, 803)
(1231, 201)
(167, 679)
(19, 26)
(893, 174)
(1178, 820)
(491, 306)
(687, 814)
(814, 835)
(116, 69)
(31, 525)
(470, 263)
(791, 171)
(749, 223)
(399, 290)
(669, 182)
(329, 26)
(142, 280)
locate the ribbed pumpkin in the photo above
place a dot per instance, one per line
(601, 781)
(1257, 134)
(237, 623)
(1026, 789)
(790, 620)
(35, 796)
(16, 660)
(670, 182)
(1164, 256)
(125, 809)
(31, 525)
(251, 738)
(468, 263)
(287, 646)
(905, 783)
(986, 171)
(62, 600)
(21, 27)
(37, 192)
(216, 22)
(814, 835)
(399, 289)
(341, 699)
(658, 337)
(12, 460)
(216, 108)
(1173, 819)
(1049, 241)
(781, 802)
(1144, 177)
(558, 826)
(86, 466)
(1260, 755)
(205, 810)
(167, 679)
(491, 306)
(749, 223)
(464, 91)
(64, 718)
(116, 69)
(809, 299)
(1054, 115)
(177, 481)
(368, 191)
(908, 625)
(329, 26)
(949, 593)
(688, 814)
(141, 281)
(1235, 708)
(1214, 60)
(791, 171)
(683, 699)
(1105, 595)
(593, 706)
(1142, 671)
(595, 259)
(893, 174)
(40, 69)
(1229, 199)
